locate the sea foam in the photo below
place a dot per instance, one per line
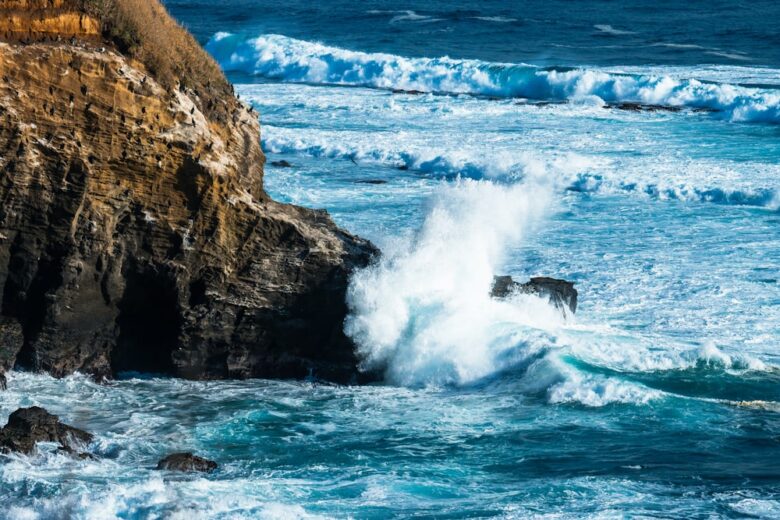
(581, 174)
(424, 313)
(278, 57)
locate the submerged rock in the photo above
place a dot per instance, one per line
(186, 462)
(560, 293)
(409, 91)
(137, 235)
(28, 426)
(371, 181)
(643, 107)
(281, 164)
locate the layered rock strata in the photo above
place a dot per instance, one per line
(135, 234)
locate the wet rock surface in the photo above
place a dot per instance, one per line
(186, 462)
(281, 164)
(560, 293)
(371, 181)
(28, 426)
(136, 233)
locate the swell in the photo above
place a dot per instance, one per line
(281, 58)
(705, 373)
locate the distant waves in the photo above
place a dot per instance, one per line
(286, 59)
(573, 173)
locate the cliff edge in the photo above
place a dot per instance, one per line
(135, 234)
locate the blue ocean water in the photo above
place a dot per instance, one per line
(631, 148)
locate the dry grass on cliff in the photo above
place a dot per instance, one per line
(144, 30)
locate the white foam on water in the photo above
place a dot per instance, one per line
(621, 352)
(424, 314)
(425, 311)
(608, 29)
(469, 137)
(495, 19)
(600, 391)
(412, 17)
(698, 182)
(757, 508)
(278, 57)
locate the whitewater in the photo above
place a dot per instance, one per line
(601, 147)
(287, 59)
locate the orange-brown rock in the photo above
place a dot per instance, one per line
(135, 233)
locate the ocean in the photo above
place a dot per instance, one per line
(630, 147)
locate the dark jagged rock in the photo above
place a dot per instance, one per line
(186, 462)
(281, 164)
(643, 107)
(11, 339)
(372, 181)
(135, 233)
(560, 293)
(503, 286)
(28, 426)
(409, 92)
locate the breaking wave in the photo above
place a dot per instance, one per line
(424, 316)
(570, 172)
(281, 58)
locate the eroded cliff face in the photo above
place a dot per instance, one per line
(135, 233)
(27, 20)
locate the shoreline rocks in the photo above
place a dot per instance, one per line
(28, 426)
(375, 182)
(281, 164)
(186, 462)
(560, 293)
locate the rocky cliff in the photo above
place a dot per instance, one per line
(135, 234)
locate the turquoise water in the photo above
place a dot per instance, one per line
(659, 399)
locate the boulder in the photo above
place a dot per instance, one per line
(186, 462)
(28, 426)
(560, 293)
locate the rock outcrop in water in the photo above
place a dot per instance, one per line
(186, 462)
(559, 293)
(28, 426)
(135, 233)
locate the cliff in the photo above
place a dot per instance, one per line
(135, 234)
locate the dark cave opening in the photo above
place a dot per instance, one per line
(31, 278)
(149, 323)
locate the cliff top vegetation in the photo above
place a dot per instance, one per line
(140, 29)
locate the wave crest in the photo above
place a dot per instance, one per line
(279, 57)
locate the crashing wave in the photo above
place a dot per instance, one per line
(424, 316)
(281, 58)
(424, 312)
